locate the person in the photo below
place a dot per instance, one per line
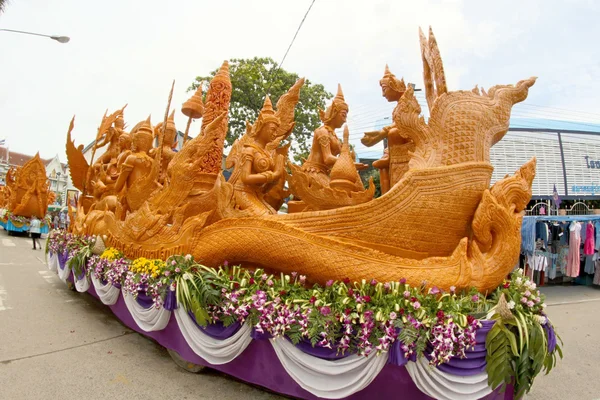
(55, 221)
(62, 220)
(34, 229)
(67, 221)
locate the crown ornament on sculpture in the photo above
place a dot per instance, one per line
(338, 104)
(390, 80)
(266, 115)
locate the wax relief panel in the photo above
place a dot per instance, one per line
(26, 190)
(438, 220)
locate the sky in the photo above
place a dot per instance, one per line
(129, 51)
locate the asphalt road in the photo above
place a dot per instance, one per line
(59, 344)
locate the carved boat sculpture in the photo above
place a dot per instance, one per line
(440, 222)
(27, 189)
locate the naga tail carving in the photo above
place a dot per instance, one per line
(497, 227)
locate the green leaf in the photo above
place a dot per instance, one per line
(513, 342)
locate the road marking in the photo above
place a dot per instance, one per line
(3, 297)
(8, 243)
(48, 276)
(42, 261)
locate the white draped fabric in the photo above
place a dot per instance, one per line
(333, 379)
(443, 386)
(212, 350)
(52, 262)
(148, 319)
(82, 285)
(329, 379)
(63, 274)
(108, 294)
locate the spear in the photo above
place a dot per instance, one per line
(164, 127)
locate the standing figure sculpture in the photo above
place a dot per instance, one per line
(138, 173)
(394, 163)
(256, 170)
(108, 160)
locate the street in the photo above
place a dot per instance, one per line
(57, 344)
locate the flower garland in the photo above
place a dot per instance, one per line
(363, 318)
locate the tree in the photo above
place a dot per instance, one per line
(371, 173)
(252, 79)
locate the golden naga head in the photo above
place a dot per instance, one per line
(266, 116)
(392, 88)
(338, 106)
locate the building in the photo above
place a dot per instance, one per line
(567, 158)
(56, 171)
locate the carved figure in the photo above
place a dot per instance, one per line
(312, 182)
(28, 189)
(326, 146)
(138, 173)
(394, 162)
(256, 171)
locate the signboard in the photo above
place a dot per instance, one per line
(588, 189)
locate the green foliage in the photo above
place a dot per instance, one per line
(517, 345)
(252, 79)
(368, 174)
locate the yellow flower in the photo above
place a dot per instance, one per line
(111, 254)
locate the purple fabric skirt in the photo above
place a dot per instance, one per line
(259, 365)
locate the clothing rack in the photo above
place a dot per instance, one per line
(549, 250)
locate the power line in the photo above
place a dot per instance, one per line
(289, 47)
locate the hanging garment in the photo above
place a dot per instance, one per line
(540, 262)
(541, 232)
(564, 239)
(528, 235)
(597, 229)
(588, 247)
(573, 260)
(597, 274)
(589, 264)
(562, 259)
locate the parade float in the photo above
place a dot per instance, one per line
(348, 296)
(25, 195)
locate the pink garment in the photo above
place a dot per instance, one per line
(573, 256)
(588, 247)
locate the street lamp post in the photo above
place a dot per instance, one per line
(59, 39)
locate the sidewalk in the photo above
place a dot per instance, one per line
(575, 313)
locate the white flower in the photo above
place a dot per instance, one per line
(532, 285)
(187, 276)
(540, 319)
(518, 281)
(543, 305)
(511, 305)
